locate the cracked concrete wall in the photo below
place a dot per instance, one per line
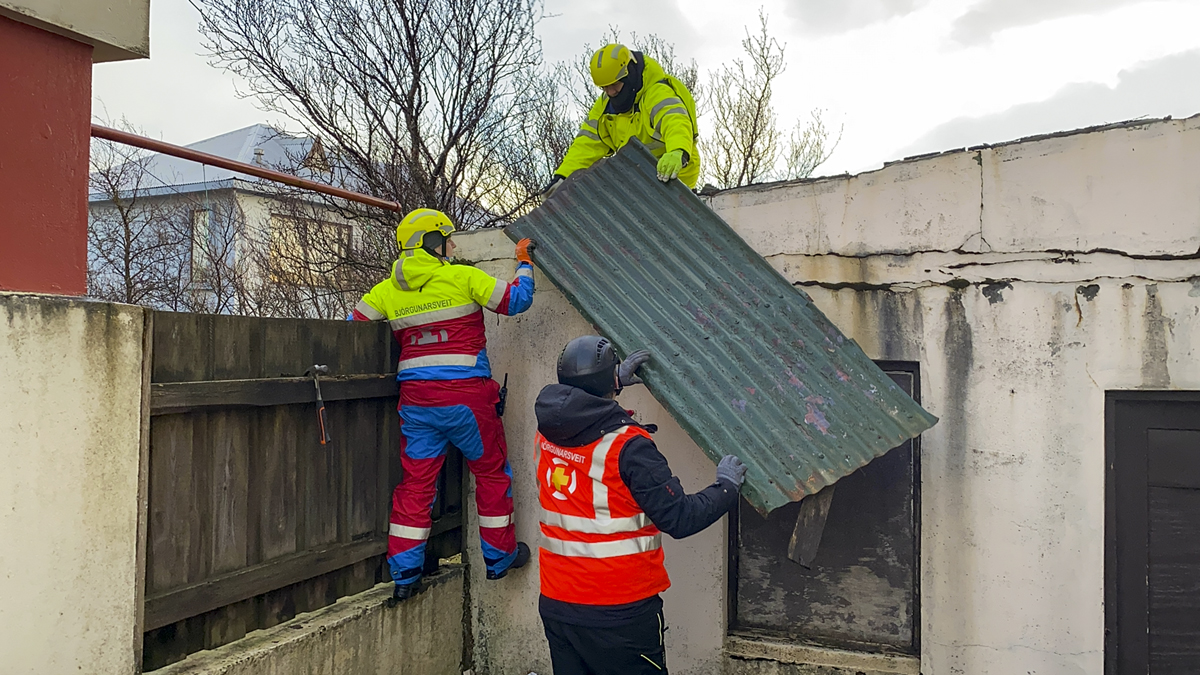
(1026, 280)
(70, 420)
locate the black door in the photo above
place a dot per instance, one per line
(1152, 575)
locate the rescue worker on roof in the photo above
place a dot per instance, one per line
(606, 495)
(639, 100)
(447, 394)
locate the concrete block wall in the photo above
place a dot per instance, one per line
(71, 485)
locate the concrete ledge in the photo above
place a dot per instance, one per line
(357, 635)
(751, 656)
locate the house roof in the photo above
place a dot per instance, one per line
(172, 175)
(744, 362)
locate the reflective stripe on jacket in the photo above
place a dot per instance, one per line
(663, 117)
(598, 547)
(435, 310)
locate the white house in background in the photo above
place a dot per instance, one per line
(230, 211)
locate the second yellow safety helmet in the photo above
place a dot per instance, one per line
(609, 64)
(412, 228)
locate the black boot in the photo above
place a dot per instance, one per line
(402, 593)
(520, 561)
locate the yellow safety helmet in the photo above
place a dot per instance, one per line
(410, 233)
(609, 64)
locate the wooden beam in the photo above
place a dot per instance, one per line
(188, 601)
(181, 603)
(180, 397)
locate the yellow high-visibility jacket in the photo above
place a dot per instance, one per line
(663, 117)
(435, 310)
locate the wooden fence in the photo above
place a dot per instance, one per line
(251, 519)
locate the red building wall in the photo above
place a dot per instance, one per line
(45, 117)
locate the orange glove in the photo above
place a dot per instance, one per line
(523, 248)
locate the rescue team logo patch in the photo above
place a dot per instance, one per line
(561, 479)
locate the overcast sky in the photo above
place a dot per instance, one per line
(902, 77)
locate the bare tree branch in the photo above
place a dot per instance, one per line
(744, 144)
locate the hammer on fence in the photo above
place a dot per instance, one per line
(316, 371)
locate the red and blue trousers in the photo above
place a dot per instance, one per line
(435, 414)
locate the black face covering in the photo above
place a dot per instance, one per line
(623, 101)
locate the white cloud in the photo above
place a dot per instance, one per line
(1155, 89)
(987, 18)
(824, 17)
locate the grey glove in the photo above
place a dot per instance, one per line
(627, 373)
(731, 469)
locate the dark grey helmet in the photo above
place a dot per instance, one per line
(589, 363)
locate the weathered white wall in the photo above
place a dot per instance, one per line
(118, 29)
(1026, 280)
(70, 425)
(1017, 276)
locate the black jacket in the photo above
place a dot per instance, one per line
(571, 417)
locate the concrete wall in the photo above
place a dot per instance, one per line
(118, 29)
(358, 635)
(1027, 280)
(70, 420)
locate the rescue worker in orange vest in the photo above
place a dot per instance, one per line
(606, 495)
(447, 394)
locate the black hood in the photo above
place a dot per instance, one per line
(571, 417)
(623, 101)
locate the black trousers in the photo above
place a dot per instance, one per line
(635, 648)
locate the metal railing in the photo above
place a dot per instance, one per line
(118, 136)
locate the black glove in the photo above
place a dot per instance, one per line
(554, 184)
(627, 373)
(732, 470)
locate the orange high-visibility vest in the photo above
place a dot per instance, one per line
(598, 547)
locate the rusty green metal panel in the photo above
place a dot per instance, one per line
(743, 360)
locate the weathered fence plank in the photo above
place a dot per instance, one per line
(251, 519)
(242, 584)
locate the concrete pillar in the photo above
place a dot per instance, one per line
(45, 109)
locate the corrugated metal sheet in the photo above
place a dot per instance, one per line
(743, 361)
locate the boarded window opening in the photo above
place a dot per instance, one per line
(862, 591)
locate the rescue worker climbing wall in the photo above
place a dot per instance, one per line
(607, 494)
(447, 394)
(639, 100)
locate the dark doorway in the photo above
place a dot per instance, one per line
(861, 591)
(1152, 534)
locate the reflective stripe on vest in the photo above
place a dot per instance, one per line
(603, 549)
(400, 323)
(595, 525)
(467, 360)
